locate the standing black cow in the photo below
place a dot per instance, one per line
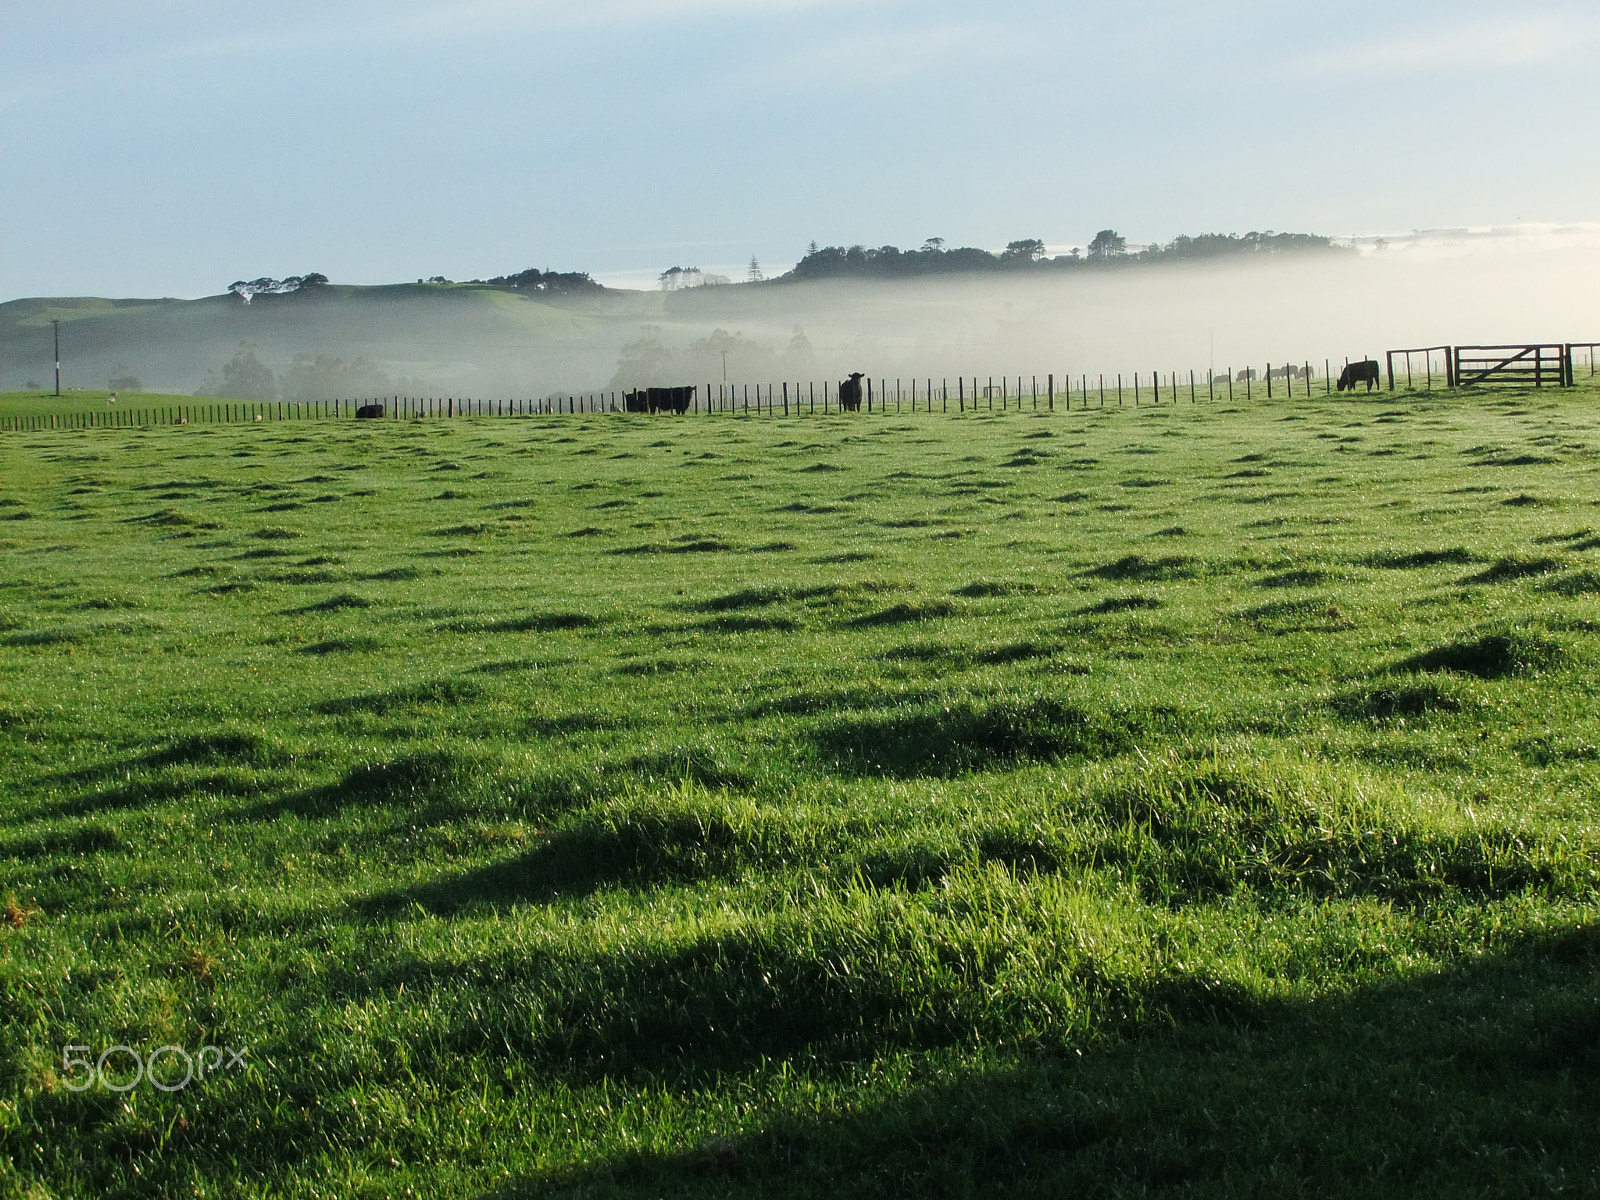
(850, 392)
(370, 410)
(1365, 372)
(636, 401)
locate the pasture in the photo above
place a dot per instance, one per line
(84, 403)
(1197, 800)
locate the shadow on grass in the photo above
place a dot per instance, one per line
(904, 614)
(224, 762)
(525, 623)
(435, 785)
(1491, 656)
(437, 691)
(336, 603)
(1411, 701)
(1394, 560)
(1475, 1080)
(1134, 568)
(1116, 604)
(634, 849)
(949, 741)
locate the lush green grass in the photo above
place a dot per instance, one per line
(79, 401)
(1194, 800)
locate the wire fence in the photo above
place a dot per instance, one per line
(927, 394)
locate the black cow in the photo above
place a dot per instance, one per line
(1365, 372)
(636, 401)
(850, 392)
(673, 399)
(370, 410)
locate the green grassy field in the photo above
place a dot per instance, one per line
(1185, 801)
(76, 402)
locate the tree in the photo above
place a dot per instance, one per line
(124, 380)
(327, 378)
(1027, 250)
(243, 377)
(1108, 243)
(800, 357)
(933, 245)
(755, 275)
(643, 362)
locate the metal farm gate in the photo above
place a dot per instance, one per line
(1512, 366)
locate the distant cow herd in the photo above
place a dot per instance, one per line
(678, 399)
(851, 391)
(653, 400)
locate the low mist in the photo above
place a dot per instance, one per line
(1420, 291)
(1527, 284)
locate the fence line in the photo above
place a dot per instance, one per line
(961, 395)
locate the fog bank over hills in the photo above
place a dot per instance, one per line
(483, 340)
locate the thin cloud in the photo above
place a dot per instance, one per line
(870, 59)
(1494, 42)
(478, 16)
(289, 30)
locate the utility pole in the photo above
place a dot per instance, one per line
(724, 366)
(57, 326)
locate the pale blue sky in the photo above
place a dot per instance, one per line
(168, 147)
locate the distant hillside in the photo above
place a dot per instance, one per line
(930, 311)
(479, 336)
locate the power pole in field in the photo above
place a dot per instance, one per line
(56, 325)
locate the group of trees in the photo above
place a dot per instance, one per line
(306, 378)
(548, 282)
(267, 286)
(125, 380)
(676, 278)
(650, 361)
(1107, 247)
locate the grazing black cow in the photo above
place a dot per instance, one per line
(673, 399)
(850, 392)
(1365, 372)
(370, 410)
(636, 401)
